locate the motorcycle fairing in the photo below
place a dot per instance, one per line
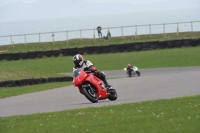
(83, 77)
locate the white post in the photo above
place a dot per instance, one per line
(94, 36)
(191, 26)
(135, 31)
(177, 29)
(94, 33)
(11, 39)
(122, 31)
(25, 38)
(53, 37)
(39, 37)
(67, 35)
(164, 28)
(81, 35)
(150, 29)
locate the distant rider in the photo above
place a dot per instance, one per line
(129, 66)
(79, 62)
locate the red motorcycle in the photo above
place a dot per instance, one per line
(92, 87)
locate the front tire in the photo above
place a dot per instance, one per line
(130, 73)
(90, 94)
(113, 95)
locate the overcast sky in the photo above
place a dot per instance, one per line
(15, 10)
(125, 1)
(5, 2)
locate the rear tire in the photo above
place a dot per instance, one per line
(90, 94)
(113, 95)
(138, 73)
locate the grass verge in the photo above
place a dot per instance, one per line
(179, 115)
(97, 42)
(14, 91)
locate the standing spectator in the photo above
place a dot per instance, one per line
(99, 31)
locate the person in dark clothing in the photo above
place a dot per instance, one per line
(79, 62)
(99, 31)
(108, 35)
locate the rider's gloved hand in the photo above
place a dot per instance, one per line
(86, 69)
(92, 70)
(89, 69)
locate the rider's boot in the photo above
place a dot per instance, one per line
(108, 87)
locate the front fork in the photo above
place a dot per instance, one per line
(86, 86)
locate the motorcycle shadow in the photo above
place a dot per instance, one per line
(131, 76)
(100, 101)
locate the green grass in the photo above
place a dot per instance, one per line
(56, 66)
(90, 42)
(14, 91)
(45, 67)
(179, 115)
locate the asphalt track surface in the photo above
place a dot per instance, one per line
(157, 83)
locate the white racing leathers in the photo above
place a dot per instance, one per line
(86, 64)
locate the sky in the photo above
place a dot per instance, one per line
(126, 1)
(5, 2)
(20, 10)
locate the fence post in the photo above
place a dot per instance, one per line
(11, 39)
(177, 29)
(122, 31)
(94, 36)
(135, 31)
(67, 36)
(12, 43)
(150, 29)
(81, 35)
(191, 26)
(53, 37)
(25, 38)
(164, 28)
(39, 37)
(165, 31)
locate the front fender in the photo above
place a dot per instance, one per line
(85, 85)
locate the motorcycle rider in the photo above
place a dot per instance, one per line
(129, 66)
(79, 62)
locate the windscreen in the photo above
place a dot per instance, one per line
(76, 73)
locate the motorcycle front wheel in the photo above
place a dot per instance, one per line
(90, 94)
(113, 95)
(130, 73)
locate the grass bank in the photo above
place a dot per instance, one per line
(45, 67)
(14, 91)
(179, 115)
(97, 42)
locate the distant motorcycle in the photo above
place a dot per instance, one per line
(132, 71)
(92, 87)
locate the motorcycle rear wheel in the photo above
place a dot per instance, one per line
(138, 73)
(113, 95)
(90, 94)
